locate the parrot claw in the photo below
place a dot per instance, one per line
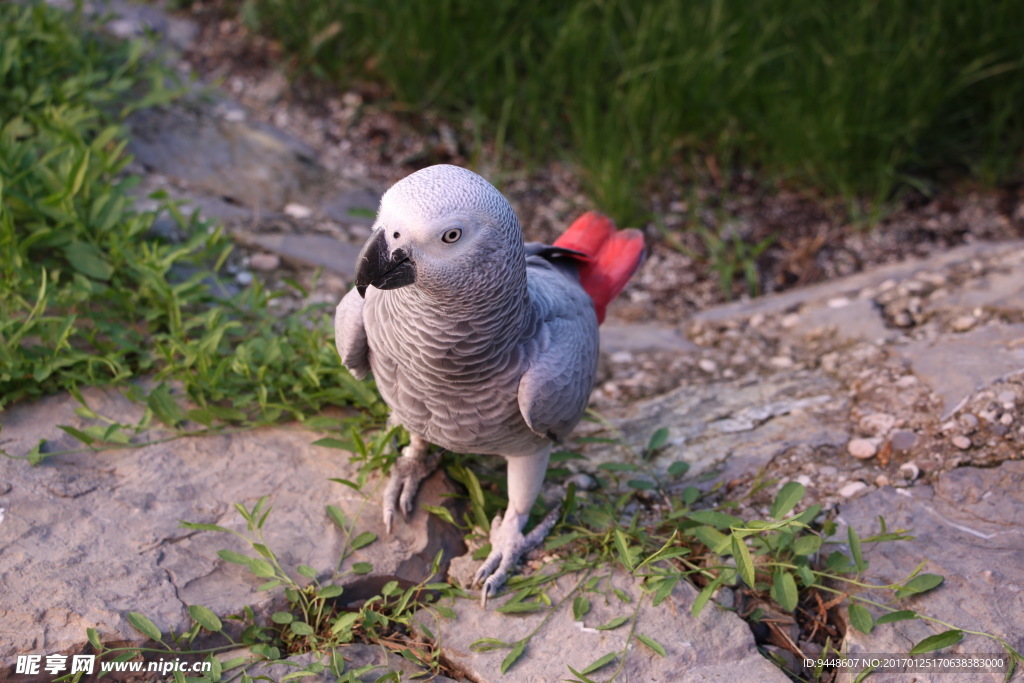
(508, 545)
(408, 473)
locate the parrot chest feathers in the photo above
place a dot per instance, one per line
(453, 382)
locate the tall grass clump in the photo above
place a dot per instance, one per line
(853, 98)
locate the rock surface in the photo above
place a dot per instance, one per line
(715, 646)
(87, 537)
(968, 527)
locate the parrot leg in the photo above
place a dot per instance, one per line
(408, 472)
(508, 544)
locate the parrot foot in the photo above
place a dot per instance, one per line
(408, 472)
(508, 545)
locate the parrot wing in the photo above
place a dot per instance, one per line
(560, 350)
(350, 335)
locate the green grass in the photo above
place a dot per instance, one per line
(857, 99)
(88, 294)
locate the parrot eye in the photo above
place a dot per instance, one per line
(452, 235)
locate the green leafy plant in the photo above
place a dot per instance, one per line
(313, 620)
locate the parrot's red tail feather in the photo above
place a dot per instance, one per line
(613, 256)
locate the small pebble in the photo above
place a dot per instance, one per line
(852, 489)
(803, 479)
(910, 471)
(862, 448)
(621, 357)
(791, 320)
(297, 210)
(756, 320)
(707, 365)
(838, 302)
(1007, 398)
(781, 362)
(244, 278)
(963, 323)
(987, 415)
(583, 481)
(961, 442)
(264, 261)
(906, 381)
(877, 424)
(1006, 419)
(968, 422)
(828, 471)
(881, 481)
(903, 440)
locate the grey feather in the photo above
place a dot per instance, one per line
(350, 335)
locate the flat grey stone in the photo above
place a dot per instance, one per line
(956, 366)
(643, 337)
(821, 293)
(318, 251)
(250, 164)
(968, 528)
(85, 538)
(715, 646)
(733, 427)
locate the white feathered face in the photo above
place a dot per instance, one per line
(444, 229)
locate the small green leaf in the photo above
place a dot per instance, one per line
(938, 641)
(328, 592)
(331, 442)
(441, 512)
(337, 516)
(922, 583)
(362, 540)
(744, 563)
(598, 663)
(613, 624)
(678, 468)
(164, 406)
(640, 484)
(651, 643)
(301, 628)
(345, 622)
(362, 568)
(232, 556)
(855, 550)
(658, 439)
(713, 539)
(784, 590)
(306, 570)
(488, 644)
(838, 562)
(510, 659)
(94, 639)
(205, 618)
(143, 625)
(705, 595)
(580, 607)
(806, 545)
(622, 547)
(860, 617)
(520, 606)
(261, 568)
(715, 518)
(900, 615)
(787, 498)
(282, 617)
(88, 260)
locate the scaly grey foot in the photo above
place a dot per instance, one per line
(408, 472)
(508, 545)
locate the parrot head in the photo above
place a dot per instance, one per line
(444, 229)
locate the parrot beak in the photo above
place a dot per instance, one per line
(382, 268)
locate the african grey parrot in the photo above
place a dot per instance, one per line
(478, 342)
